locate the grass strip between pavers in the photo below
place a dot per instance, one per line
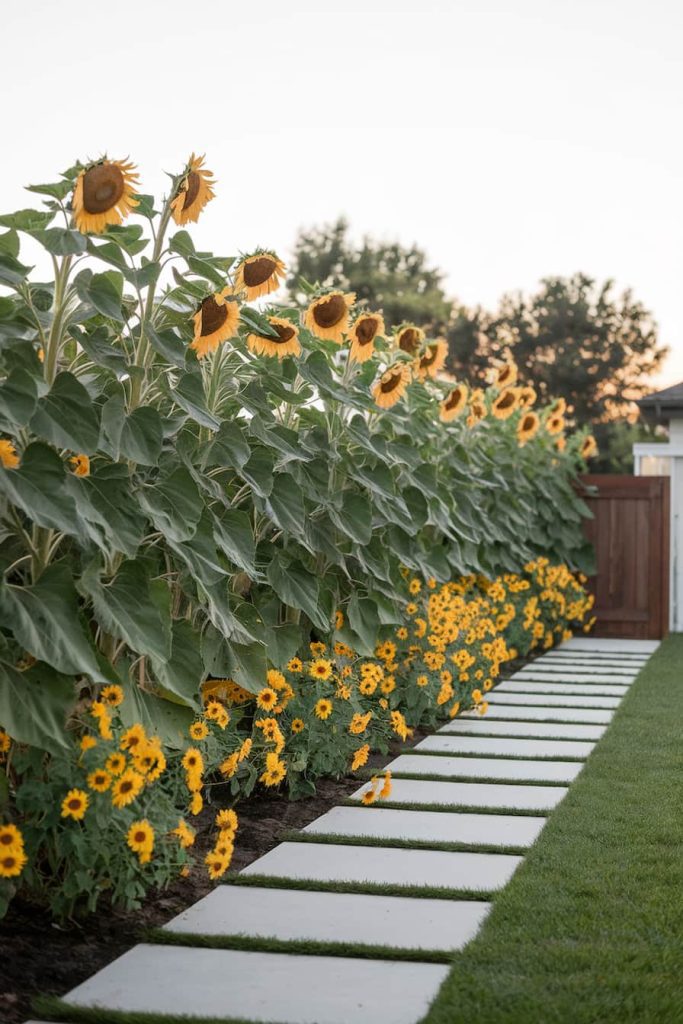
(589, 930)
(411, 805)
(423, 892)
(299, 947)
(382, 842)
(50, 1008)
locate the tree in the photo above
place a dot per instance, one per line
(386, 276)
(573, 339)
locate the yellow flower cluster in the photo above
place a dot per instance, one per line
(12, 856)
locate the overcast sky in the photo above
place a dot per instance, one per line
(511, 140)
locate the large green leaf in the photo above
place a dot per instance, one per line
(189, 395)
(38, 488)
(182, 674)
(229, 447)
(160, 717)
(354, 518)
(18, 398)
(66, 416)
(125, 608)
(258, 472)
(234, 535)
(45, 621)
(364, 621)
(174, 504)
(34, 706)
(287, 504)
(298, 588)
(142, 436)
(107, 500)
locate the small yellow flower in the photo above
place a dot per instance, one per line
(126, 788)
(11, 839)
(8, 455)
(320, 669)
(12, 863)
(295, 665)
(198, 731)
(115, 764)
(75, 804)
(81, 465)
(298, 725)
(267, 698)
(323, 709)
(99, 780)
(140, 839)
(87, 742)
(113, 695)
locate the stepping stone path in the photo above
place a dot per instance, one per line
(435, 835)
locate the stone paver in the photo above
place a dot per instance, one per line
(609, 645)
(552, 730)
(324, 862)
(429, 826)
(338, 917)
(570, 677)
(550, 700)
(546, 714)
(472, 794)
(485, 768)
(622, 676)
(263, 986)
(579, 658)
(539, 686)
(494, 747)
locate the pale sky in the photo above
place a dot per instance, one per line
(510, 140)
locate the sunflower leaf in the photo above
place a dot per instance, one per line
(189, 395)
(18, 398)
(257, 322)
(66, 416)
(297, 587)
(37, 487)
(60, 241)
(34, 706)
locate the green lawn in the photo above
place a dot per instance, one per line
(590, 930)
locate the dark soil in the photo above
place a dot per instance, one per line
(39, 957)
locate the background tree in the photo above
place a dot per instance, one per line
(386, 276)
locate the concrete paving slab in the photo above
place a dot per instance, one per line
(496, 747)
(546, 714)
(290, 914)
(263, 986)
(610, 645)
(551, 730)
(625, 675)
(486, 768)
(550, 700)
(472, 794)
(323, 862)
(429, 826)
(540, 686)
(526, 676)
(590, 662)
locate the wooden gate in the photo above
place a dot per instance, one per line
(630, 533)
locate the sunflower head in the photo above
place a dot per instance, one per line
(453, 404)
(259, 274)
(216, 320)
(392, 385)
(527, 427)
(527, 397)
(409, 338)
(327, 317)
(432, 359)
(505, 375)
(194, 191)
(284, 343)
(589, 447)
(104, 194)
(505, 404)
(555, 424)
(362, 333)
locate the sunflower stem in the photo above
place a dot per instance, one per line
(54, 339)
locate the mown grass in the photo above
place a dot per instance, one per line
(590, 929)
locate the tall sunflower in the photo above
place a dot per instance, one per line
(409, 338)
(527, 397)
(362, 333)
(216, 321)
(527, 427)
(392, 385)
(506, 375)
(555, 423)
(505, 404)
(589, 447)
(194, 191)
(453, 404)
(328, 316)
(259, 274)
(103, 195)
(558, 407)
(286, 344)
(432, 359)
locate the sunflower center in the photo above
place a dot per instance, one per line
(8, 862)
(429, 357)
(506, 400)
(391, 383)
(366, 330)
(284, 334)
(126, 787)
(213, 316)
(258, 270)
(527, 423)
(103, 186)
(192, 183)
(453, 399)
(329, 312)
(139, 837)
(409, 340)
(73, 805)
(6, 840)
(504, 375)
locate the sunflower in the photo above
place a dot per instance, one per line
(87, 742)
(10, 838)
(409, 338)
(589, 447)
(266, 698)
(196, 804)
(216, 321)
(8, 455)
(363, 331)
(216, 865)
(527, 397)
(5, 741)
(328, 316)
(125, 789)
(227, 819)
(298, 725)
(527, 427)
(12, 863)
(370, 794)
(555, 424)
(133, 737)
(505, 376)
(112, 694)
(294, 665)
(558, 407)
(81, 465)
(323, 709)
(140, 837)
(274, 773)
(285, 344)
(360, 757)
(259, 274)
(75, 804)
(194, 191)
(385, 791)
(115, 764)
(198, 731)
(99, 780)
(505, 404)
(453, 404)
(432, 359)
(185, 834)
(104, 195)
(321, 668)
(392, 385)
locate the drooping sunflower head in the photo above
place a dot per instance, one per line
(558, 407)
(216, 320)
(527, 397)
(555, 423)
(527, 427)
(409, 338)
(392, 385)
(432, 359)
(285, 344)
(259, 274)
(453, 404)
(506, 375)
(589, 447)
(505, 404)
(104, 194)
(363, 332)
(194, 191)
(328, 316)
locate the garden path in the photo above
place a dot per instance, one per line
(354, 918)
